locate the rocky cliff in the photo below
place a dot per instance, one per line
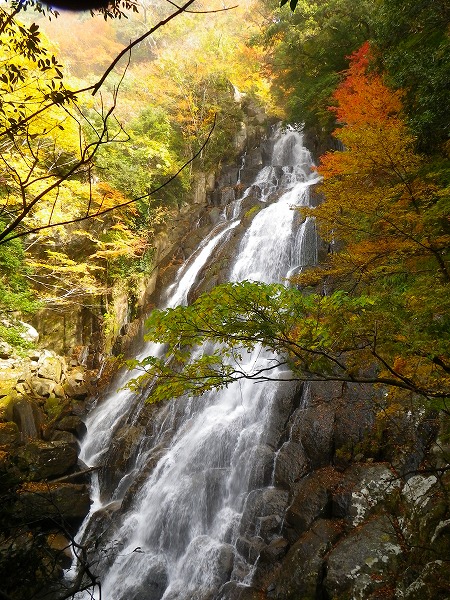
(44, 491)
(44, 393)
(359, 507)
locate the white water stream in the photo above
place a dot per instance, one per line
(176, 537)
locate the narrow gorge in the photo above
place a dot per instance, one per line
(281, 490)
(198, 469)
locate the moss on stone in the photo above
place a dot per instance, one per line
(251, 213)
(6, 405)
(9, 433)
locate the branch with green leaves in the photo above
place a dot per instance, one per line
(208, 345)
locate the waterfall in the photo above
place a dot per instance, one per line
(173, 524)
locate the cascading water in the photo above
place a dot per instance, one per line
(186, 496)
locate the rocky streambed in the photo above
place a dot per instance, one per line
(355, 504)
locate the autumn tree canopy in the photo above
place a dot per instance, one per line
(387, 320)
(96, 154)
(379, 202)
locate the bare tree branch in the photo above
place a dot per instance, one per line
(18, 234)
(204, 12)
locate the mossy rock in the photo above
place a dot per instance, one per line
(54, 407)
(7, 385)
(72, 424)
(7, 405)
(60, 501)
(250, 215)
(364, 562)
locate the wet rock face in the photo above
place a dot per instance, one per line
(126, 443)
(154, 585)
(72, 424)
(262, 460)
(352, 525)
(291, 464)
(236, 591)
(262, 503)
(70, 326)
(314, 430)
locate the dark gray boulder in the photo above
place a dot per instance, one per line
(291, 463)
(42, 460)
(262, 503)
(364, 561)
(311, 500)
(302, 570)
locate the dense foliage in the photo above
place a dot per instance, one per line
(414, 49)
(84, 172)
(338, 337)
(66, 157)
(387, 321)
(308, 50)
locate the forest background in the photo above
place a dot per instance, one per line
(84, 175)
